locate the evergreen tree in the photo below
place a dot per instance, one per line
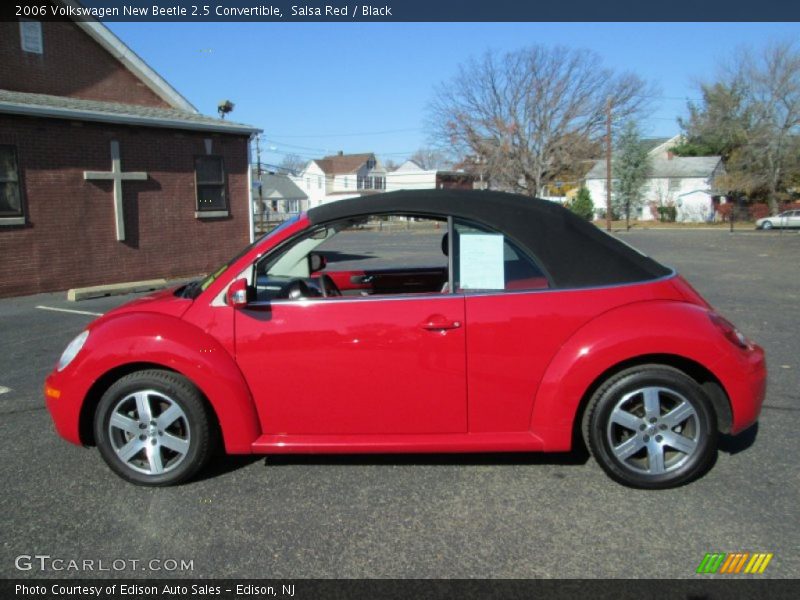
(630, 169)
(582, 205)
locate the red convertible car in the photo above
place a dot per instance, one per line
(420, 321)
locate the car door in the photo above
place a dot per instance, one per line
(376, 364)
(356, 366)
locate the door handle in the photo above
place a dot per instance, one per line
(439, 323)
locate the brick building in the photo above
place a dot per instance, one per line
(107, 173)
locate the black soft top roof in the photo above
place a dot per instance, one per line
(573, 253)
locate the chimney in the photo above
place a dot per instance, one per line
(340, 153)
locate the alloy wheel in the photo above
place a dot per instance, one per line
(653, 430)
(149, 432)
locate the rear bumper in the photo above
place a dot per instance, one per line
(743, 374)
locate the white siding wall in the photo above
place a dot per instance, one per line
(696, 206)
(660, 191)
(410, 179)
(314, 183)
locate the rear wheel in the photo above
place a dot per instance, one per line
(651, 426)
(153, 428)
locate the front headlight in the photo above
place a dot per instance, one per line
(71, 351)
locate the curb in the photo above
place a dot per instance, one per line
(118, 289)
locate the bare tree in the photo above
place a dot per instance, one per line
(751, 117)
(390, 164)
(432, 159)
(773, 92)
(532, 115)
(293, 163)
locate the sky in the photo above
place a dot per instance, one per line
(317, 88)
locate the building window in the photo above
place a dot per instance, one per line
(210, 177)
(30, 36)
(380, 183)
(11, 209)
(673, 184)
(346, 183)
(319, 183)
(365, 183)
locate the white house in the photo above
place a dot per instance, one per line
(687, 183)
(411, 176)
(340, 176)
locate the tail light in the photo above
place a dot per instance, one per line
(729, 330)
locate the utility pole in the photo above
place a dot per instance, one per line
(608, 164)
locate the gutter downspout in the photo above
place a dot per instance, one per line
(250, 222)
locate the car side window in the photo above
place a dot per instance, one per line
(487, 260)
(366, 256)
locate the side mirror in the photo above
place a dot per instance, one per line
(316, 262)
(239, 293)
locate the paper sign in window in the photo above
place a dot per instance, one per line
(481, 261)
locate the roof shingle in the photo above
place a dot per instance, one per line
(679, 166)
(342, 163)
(79, 109)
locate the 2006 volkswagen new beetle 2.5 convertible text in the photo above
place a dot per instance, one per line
(524, 329)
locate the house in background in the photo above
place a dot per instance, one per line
(275, 198)
(107, 173)
(411, 176)
(685, 182)
(340, 176)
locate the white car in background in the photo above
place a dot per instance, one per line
(789, 218)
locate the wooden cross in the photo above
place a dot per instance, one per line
(117, 176)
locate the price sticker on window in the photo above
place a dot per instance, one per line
(481, 261)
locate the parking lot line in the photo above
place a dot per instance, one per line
(70, 310)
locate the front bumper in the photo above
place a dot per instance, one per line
(64, 399)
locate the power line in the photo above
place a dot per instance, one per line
(317, 156)
(349, 134)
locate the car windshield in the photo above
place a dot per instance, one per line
(193, 289)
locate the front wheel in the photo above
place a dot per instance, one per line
(153, 428)
(652, 427)
(767, 225)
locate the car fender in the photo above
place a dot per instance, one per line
(635, 330)
(162, 340)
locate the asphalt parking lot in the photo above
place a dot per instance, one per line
(496, 516)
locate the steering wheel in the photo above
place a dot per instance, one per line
(328, 286)
(297, 289)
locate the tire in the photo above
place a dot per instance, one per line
(651, 427)
(139, 448)
(766, 225)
